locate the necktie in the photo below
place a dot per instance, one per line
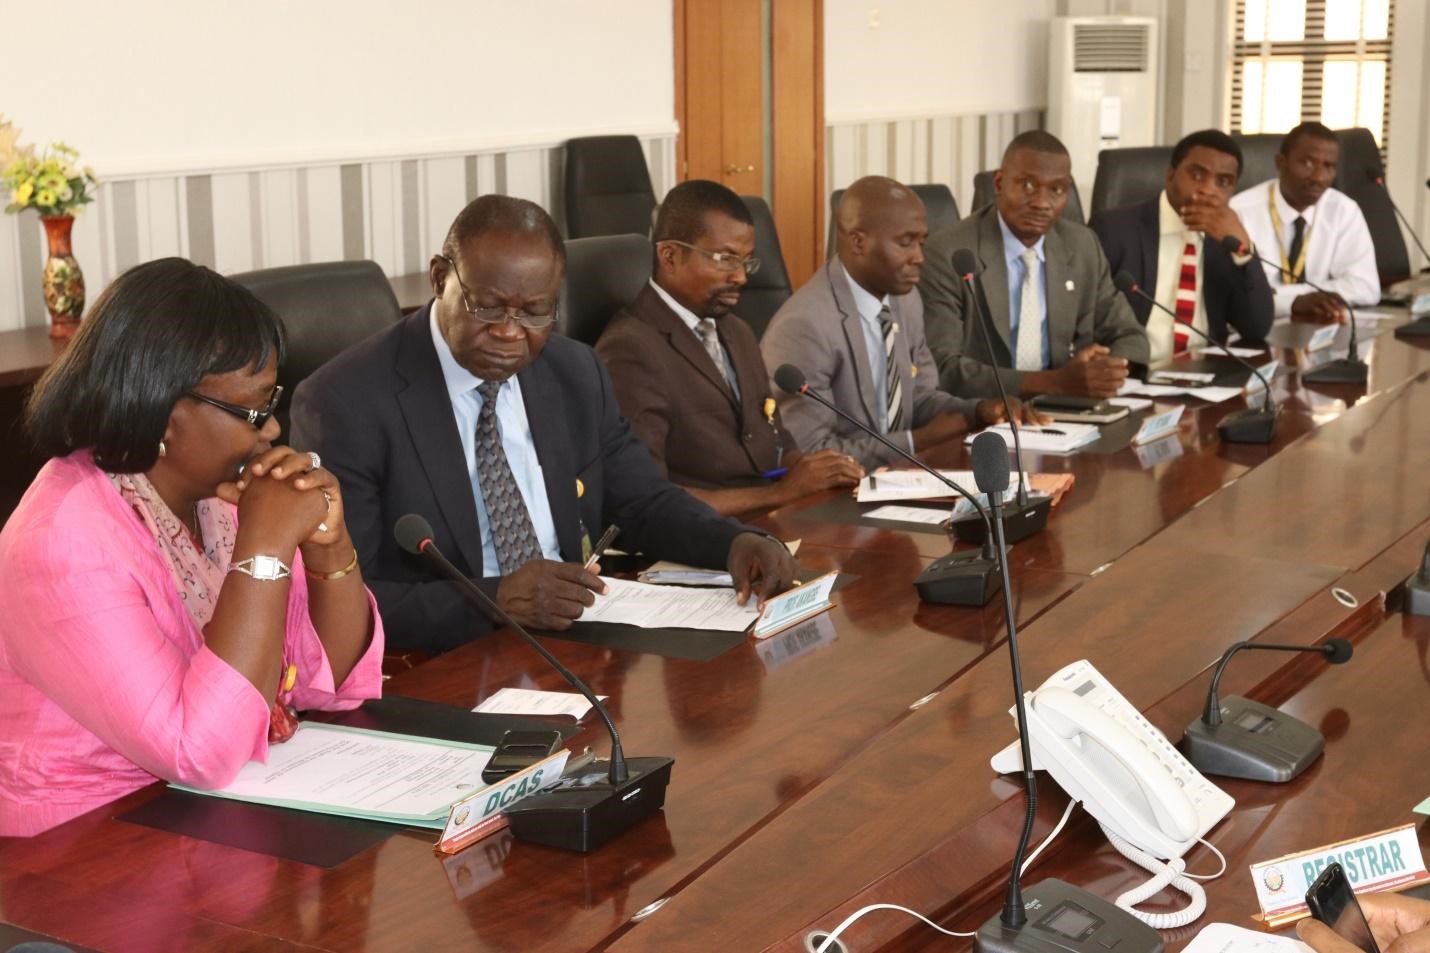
(1298, 268)
(711, 339)
(1029, 347)
(1186, 297)
(893, 387)
(512, 532)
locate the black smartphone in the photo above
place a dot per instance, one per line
(1334, 903)
(1071, 402)
(519, 750)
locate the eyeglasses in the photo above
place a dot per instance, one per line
(724, 260)
(496, 315)
(255, 417)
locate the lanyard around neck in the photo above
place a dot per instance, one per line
(1290, 273)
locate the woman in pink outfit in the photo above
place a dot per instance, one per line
(172, 585)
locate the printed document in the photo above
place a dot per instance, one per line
(659, 607)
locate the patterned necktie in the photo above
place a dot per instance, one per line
(512, 532)
(711, 339)
(893, 388)
(1298, 268)
(1029, 348)
(1186, 297)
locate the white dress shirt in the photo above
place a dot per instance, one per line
(1339, 254)
(516, 442)
(691, 321)
(1172, 240)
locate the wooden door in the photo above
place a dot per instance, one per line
(726, 53)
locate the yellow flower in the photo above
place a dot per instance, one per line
(45, 198)
(21, 196)
(66, 193)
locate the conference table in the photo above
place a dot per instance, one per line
(845, 762)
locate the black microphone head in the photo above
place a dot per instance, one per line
(411, 532)
(990, 462)
(965, 263)
(789, 378)
(1125, 282)
(1338, 651)
(1233, 245)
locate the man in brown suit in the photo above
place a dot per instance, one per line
(688, 373)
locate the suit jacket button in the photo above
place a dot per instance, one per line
(749, 437)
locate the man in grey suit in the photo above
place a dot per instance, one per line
(1061, 325)
(856, 330)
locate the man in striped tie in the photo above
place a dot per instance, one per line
(856, 329)
(1172, 245)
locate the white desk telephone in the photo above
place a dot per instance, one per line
(1124, 771)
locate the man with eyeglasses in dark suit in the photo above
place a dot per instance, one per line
(688, 372)
(508, 439)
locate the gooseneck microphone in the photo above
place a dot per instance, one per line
(961, 579)
(1252, 425)
(1024, 518)
(1377, 175)
(575, 814)
(1240, 738)
(1052, 899)
(1347, 370)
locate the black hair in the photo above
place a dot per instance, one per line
(1315, 130)
(1211, 139)
(681, 216)
(149, 338)
(506, 215)
(1036, 140)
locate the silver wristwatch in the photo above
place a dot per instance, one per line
(265, 568)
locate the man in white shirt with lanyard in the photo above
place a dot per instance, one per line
(1315, 231)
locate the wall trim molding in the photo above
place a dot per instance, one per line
(862, 118)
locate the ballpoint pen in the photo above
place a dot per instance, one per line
(607, 538)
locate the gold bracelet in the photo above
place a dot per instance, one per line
(337, 574)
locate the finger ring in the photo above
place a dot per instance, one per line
(316, 460)
(322, 527)
(327, 498)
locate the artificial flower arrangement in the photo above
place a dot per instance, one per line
(51, 182)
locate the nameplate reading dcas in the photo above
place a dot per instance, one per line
(474, 817)
(1388, 860)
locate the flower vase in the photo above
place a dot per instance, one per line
(63, 281)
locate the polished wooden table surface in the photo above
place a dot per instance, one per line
(846, 762)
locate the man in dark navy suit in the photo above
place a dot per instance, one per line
(508, 439)
(1172, 247)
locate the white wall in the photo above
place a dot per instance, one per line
(933, 58)
(145, 86)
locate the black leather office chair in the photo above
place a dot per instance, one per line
(1125, 176)
(1258, 157)
(983, 195)
(607, 187)
(604, 273)
(1360, 164)
(939, 205)
(769, 287)
(325, 307)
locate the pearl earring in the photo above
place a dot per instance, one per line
(163, 450)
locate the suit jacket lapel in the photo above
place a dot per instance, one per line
(650, 307)
(995, 276)
(853, 326)
(427, 410)
(1062, 302)
(546, 414)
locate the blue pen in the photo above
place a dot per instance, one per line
(775, 474)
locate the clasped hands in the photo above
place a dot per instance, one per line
(285, 502)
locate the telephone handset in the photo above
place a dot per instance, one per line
(1126, 773)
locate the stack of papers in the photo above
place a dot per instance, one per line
(1213, 395)
(893, 485)
(667, 573)
(658, 607)
(529, 701)
(1062, 438)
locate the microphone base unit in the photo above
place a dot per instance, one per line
(584, 810)
(1253, 741)
(1419, 328)
(1248, 426)
(960, 579)
(1417, 595)
(1341, 371)
(1067, 919)
(1020, 522)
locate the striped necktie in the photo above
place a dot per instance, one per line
(1186, 297)
(893, 388)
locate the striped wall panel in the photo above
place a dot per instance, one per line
(946, 149)
(393, 212)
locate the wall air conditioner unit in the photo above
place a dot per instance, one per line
(1102, 87)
